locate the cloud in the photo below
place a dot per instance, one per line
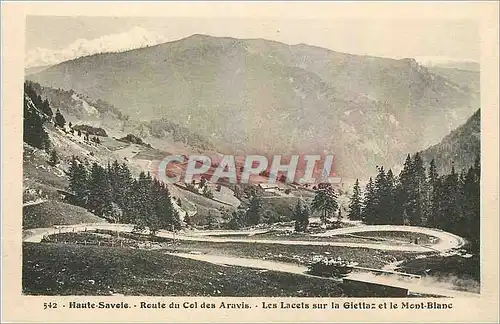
(134, 38)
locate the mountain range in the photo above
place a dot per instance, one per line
(134, 38)
(261, 96)
(460, 148)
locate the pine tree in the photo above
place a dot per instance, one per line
(355, 203)
(380, 194)
(325, 200)
(301, 217)
(33, 131)
(449, 202)
(117, 190)
(393, 213)
(116, 213)
(47, 110)
(414, 188)
(78, 182)
(407, 173)
(125, 182)
(212, 220)
(399, 216)
(433, 195)
(369, 203)
(54, 159)
(433, 176)
(142, 203)
(207, 192)
(32, 89)
(100, 192)
(384, 198)
(203, 183)
(59, 119)
(254, 210)
(420, 192)
(471, 206)
(306, 213)
(153, 221)
(405, 189)
(297, 216)
(167, 215)
(239, 218)
(406, 219)
(31, 93)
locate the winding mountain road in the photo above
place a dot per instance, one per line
(446, 241)
(419, 286)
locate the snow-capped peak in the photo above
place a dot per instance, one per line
(134, 38)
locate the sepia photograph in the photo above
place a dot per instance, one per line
(253, 163)
(107, 211)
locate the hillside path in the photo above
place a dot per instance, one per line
(419, 286)
(446, 241)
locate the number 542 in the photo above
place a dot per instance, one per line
(49, 305)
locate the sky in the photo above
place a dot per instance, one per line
(47, 36)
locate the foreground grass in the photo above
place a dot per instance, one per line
(408, 237)
(36, 169)
(65, 269)
(298, 254)
(34, 190)
(52, 213)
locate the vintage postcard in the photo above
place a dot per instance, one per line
(250, 162)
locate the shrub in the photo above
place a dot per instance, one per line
(329, 267)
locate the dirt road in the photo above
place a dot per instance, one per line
(419, 286)
(423, 286)
(446, 240)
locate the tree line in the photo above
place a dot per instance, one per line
(249, 213)
(325, 202)
(419, 196)
(254, 209)
(422, 197)
(65, 100)
(35, 115)
(114, 194)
